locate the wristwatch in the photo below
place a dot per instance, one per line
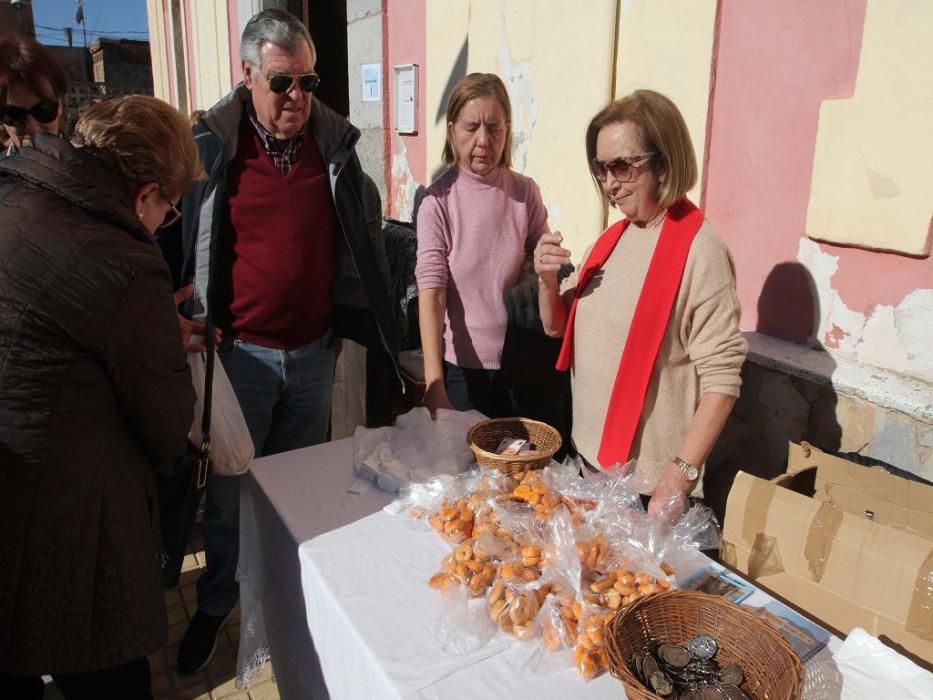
(691, 472)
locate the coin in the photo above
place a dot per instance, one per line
(702, 669)
(734, 692)
(661, 684)
(703, 647)
(637, 659)
(649, 666)
(678, 657)
(711, 692)
(732, 675)
(692, 694)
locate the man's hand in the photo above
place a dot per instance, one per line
(191, 328)
(670, 495)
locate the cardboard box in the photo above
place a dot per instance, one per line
(852, 546)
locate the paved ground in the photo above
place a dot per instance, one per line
(217, 680)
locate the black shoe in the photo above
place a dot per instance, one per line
(197, 648)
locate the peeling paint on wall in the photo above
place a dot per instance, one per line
(895, 338)
(404, 184)
(518, 79)
(913, 318)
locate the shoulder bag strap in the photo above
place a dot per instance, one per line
(204, 462)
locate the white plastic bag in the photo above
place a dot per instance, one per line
(231, 448)
(415, 449)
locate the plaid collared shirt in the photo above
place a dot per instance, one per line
(283, 153)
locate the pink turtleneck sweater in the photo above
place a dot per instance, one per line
(473, 234)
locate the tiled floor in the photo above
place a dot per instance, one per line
(217, 680)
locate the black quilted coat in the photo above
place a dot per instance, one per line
(94, 392)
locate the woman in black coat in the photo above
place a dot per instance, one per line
(94, 393)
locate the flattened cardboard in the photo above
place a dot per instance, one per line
(856, 489)
(868, 572)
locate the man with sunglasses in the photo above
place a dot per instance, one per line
(283, 244)
(31, 87)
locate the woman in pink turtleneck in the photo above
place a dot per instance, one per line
(475, 226)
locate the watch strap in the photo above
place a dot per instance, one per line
(689, 471)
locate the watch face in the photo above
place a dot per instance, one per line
(692, 473)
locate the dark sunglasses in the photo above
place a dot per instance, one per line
(44, 111)
(280, 83)
(622, 169)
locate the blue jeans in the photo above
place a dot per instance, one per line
(285, 396)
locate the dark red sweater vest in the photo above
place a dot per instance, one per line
(282, 229)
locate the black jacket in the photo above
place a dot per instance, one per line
(94, 393)
(363, 307)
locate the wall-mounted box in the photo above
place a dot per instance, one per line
(406, 98)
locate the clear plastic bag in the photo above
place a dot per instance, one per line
(464, 626)
(590, 656)
(549, 556)
(466, 566)
(514, 605)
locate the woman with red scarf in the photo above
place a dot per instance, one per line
(650, 320)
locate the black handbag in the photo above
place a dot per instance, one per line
(180, 490)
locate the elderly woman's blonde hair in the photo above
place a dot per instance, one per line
(472, 86)
(147, 139)
(662, 128)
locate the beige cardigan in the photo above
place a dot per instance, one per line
(702, 351)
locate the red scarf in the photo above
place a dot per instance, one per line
(649, 323)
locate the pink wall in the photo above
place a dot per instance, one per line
(405, 39)
(774, 65)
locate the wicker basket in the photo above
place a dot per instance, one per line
(485, 436)
(772, 669)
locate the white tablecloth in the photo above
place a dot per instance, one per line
(366, 594)
(285, 500)
(357, 584)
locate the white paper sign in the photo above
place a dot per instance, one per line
(372, 82)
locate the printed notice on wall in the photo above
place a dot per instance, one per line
(372, 82)
(406, 99)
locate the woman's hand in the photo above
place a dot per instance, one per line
(670, 495)
(435, 397)
(192, 328)
(549, 256)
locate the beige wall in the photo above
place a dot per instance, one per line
(203, 52)
(212, 44)
(556, 60)
(872, 175)
(160, 48)
(667, 45)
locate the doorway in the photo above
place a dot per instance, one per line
(327, 22)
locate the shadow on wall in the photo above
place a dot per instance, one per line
(776, 408)
(457, 73)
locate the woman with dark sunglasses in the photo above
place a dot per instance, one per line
(650, 321)
(95, 393)
(32, 86)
